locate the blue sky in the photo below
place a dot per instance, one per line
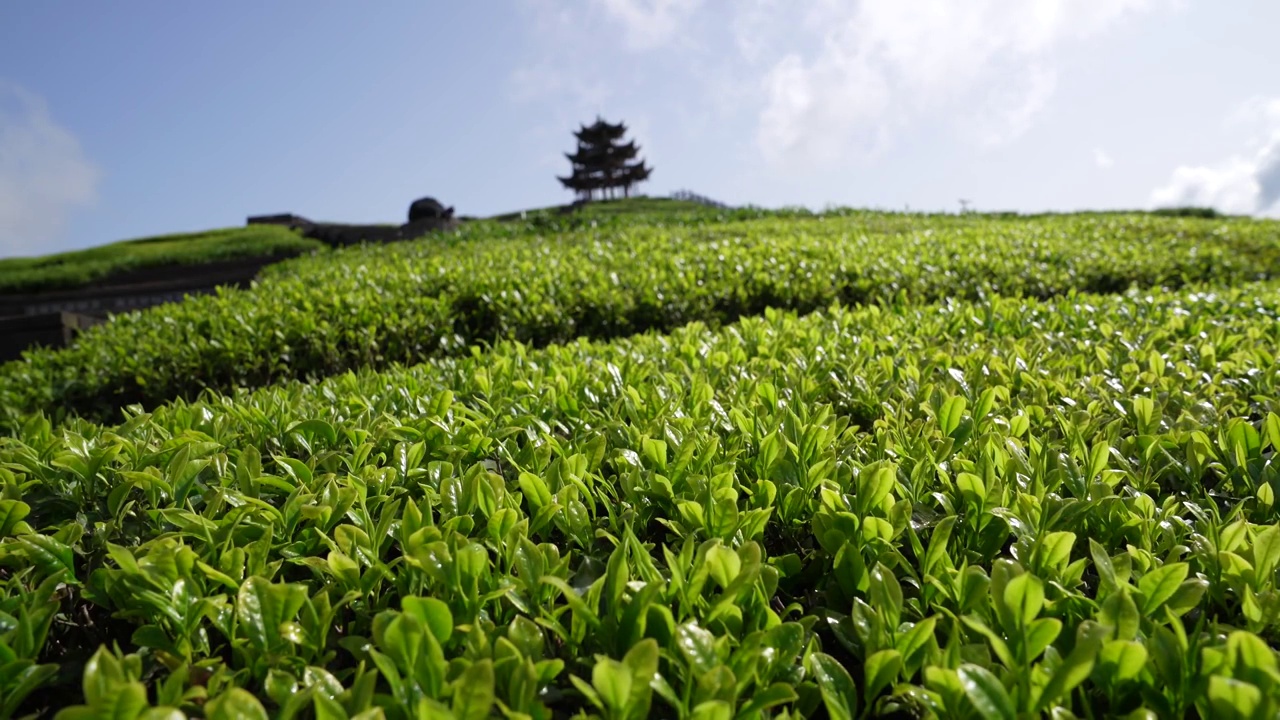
(138, 117)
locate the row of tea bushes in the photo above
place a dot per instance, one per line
(989, 509)
(372, 307)
(82, 268)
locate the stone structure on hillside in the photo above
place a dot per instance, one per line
(426, 215)
(429, 207)
(603, 164)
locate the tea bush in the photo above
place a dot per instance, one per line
(376, 306)
(80, 268)
(990, 508)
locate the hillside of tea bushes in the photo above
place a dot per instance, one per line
(404, 303)
(896, 467)
(81, 268)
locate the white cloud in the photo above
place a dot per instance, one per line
(881, 63)
(649, 23)
(1010, 113)
(818, 79)
(1248, 182)
(44, 175)
(1230, 187)
(796, 91)
(1102, 159)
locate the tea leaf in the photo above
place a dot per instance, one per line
(839, 695)
(986, 693)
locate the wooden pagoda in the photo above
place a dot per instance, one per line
(603, 164)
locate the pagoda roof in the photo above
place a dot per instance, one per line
(606, 175)
(601, 129)
(603, 154)
(582, 182)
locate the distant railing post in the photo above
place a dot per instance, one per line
(690, 196)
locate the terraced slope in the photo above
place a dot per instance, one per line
(81, 268)
(373, 307)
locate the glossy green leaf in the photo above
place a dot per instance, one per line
(433, 613)
(839, 694)
(1160, 584)
(612, 681)
(697, 646)
(1123, 659)
(263, 607)
(987, 696)
(881, 671)
(473, 692)
(1233, 699)
(235, 704)
(951, 414)
(712, 710)
(317, 428)
(12, 512)
(1120, 612)
(1076, 666)
(641, 661)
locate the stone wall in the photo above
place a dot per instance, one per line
(139, 288)
(426, 215)
(50, 329)
(52, 318)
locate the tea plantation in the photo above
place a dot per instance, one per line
(81, 268)
(703, 466)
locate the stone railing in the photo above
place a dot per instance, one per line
(690, 196)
